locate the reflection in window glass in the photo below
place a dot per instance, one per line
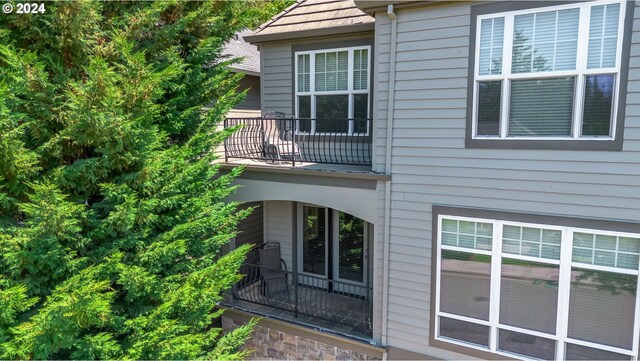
(604, 299)
(545, 41)
(533, 242)
(603, 36)
(350, 248)
(605, 250)
(491, 38)
(467, 234)
(598, 302)
(529, 295)
(465, 280)
(578, 352)
(541, 107)
(314, 240)
(304, 113)
(332, 113)
(489, 95)
(598, 102)
(527, 345)
(464, 331)
(360, 113)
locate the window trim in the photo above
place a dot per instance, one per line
(350, 92)
(568, 226)
(612, 143)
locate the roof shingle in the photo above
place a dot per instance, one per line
(308, 15)
(237, 47)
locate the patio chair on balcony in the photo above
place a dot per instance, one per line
(279, 138)
(273, 270)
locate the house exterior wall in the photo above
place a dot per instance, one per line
(252, 100)
(276, 64)
(251, 226)
(431, 166)
(279, 228)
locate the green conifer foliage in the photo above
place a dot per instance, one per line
(112, 214)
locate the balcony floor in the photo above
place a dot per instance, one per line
(301, 165)
(340, 314)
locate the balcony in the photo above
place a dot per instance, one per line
(336, 306)
(296, 141)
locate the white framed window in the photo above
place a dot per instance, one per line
(536, 291)
(548, 73)
(332, 90)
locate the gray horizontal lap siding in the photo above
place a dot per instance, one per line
(430, 164)
(276, 65)
(252, 99)
(251, 228)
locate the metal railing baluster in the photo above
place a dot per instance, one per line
(291, 140)
(313, 296)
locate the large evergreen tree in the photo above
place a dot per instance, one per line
(112, 214)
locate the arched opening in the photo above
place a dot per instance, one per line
(311, 266)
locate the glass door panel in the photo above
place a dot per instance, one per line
(350, 257)
(313, 246)
(349, 253)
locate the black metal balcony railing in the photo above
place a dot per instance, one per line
(334, 301)
(335, 141)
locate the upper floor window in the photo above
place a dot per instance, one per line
(332, 90)
(548, 73)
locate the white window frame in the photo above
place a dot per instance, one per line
(565, 264)
(350, 90)
(579, 73)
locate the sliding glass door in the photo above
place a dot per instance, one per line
(332, 245)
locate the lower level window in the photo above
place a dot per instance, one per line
(537, 291)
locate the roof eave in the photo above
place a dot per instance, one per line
(247, 72)
(355, 28)
(368, 6)
(373, 6)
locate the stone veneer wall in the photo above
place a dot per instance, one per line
(277, 345)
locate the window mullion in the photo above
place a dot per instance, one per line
(564, 287)
(581, 66)
(494, 296)
(312, 91)
(636, 322)
(295, 85)
(438, 261)
(350, 69)
(506, 71)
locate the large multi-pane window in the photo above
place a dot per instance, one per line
(332, 90)
(548, 73)
(537, 291)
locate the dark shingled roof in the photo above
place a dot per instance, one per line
(310, 16)
(237, 47)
